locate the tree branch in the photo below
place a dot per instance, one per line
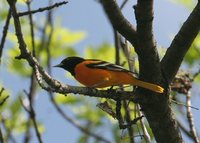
(191, 119)
(146, 49)
(5, 30)
(181, 43)
(184, 129)
(76, 124)
(41, 9)
(5, 98)
(146, 135)
(131, 65)
(123, 4)
(1, 137)
(54, 85)
(32, 116)
(8, 137)
(28, 3)
(156, 108)
(32, 88)
(119, 22)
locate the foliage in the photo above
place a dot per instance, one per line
(192, 56)
(62, 44)
(187, 3)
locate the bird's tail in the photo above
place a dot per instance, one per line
(150, 86)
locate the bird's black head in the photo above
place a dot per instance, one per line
(70, 63)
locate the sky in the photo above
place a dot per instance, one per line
(88, 16)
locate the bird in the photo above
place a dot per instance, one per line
(99, 74)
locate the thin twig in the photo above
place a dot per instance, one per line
(43, 35)
(48, 48)
(36, 126)
(46, 44)
(180, 103)
(31, 113)
(53, 84)
(5, 30)
(41, 9)
(144, 129)
(1, 91)
(4, 100)
(119, 22)
(131, 61)
(196, 74)
(118, 114)
(184, 129)
(27, 137)
(131, 67)
(1, 137)
(190, 118)
(28, 2)
(123, 4)
(3, 122)
(8, 130)
(128, 120)
(120, 119)
(118, 46)
(76, 124)
(33, 85)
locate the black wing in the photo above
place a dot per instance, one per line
(108, 66)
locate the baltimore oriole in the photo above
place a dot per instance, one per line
(99, 74)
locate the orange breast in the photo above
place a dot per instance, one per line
(100, 78)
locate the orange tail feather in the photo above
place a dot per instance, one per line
(150, 86)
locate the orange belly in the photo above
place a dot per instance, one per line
(101, 78)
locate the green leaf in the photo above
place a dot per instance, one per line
(83, 139)
(69, 99)
(197, 79)
(187, 3)
(3, 95)
(15, 107)
(19, 124)
(193, 55)
(104, 51)
(91, 113)
(3, 11)
(22, 2)
(41, 127)
(13, 123)
(65, 36)
(20, 67)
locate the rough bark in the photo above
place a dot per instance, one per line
(181, 44)
(156, 107)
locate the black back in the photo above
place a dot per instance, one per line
(70, 63)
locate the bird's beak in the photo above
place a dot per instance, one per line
(59, 65)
